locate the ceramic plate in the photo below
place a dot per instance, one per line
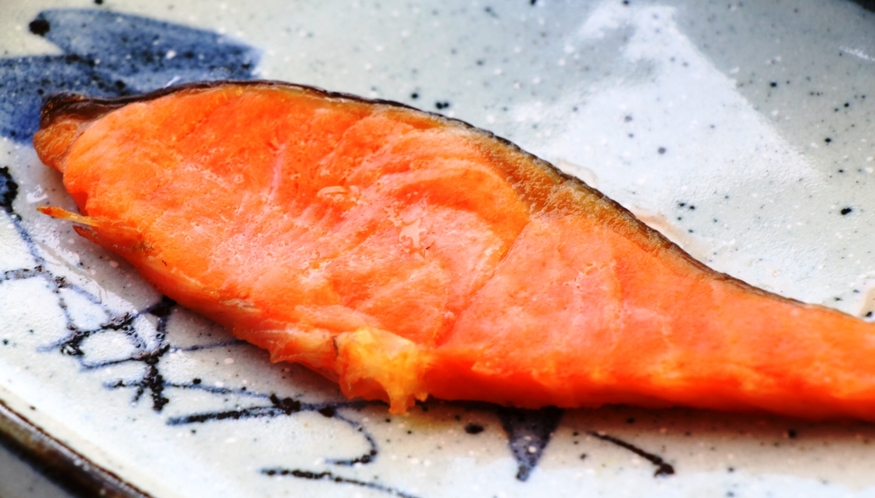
(740, 130)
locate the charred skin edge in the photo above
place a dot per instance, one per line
(69, 105)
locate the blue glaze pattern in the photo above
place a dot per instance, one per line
(109, 54)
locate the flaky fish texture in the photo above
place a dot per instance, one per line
(405, 255)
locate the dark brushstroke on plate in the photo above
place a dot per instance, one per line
(56, 461)
(663, 468)
(528, 432)
(328, 476)
(866, 4)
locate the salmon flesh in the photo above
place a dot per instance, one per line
(404, 254)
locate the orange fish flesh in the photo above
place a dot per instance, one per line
(405, 255)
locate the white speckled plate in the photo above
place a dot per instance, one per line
(740, 130)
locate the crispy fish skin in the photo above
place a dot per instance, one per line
(405, 254)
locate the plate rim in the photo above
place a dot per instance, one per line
(58, 462)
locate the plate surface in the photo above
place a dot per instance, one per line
(742, 132)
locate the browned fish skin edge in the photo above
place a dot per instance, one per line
(67, 105)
